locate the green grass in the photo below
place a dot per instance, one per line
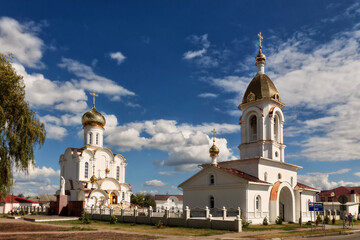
(284, 226)
(73, 228)
(299, 233)
(180, 231)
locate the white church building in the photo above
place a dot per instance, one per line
(93, 174)
(261, 183)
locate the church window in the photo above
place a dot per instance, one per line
(123, 196)
(253, 128)
(212, 202)
(118, 173)
(279, 176)
(97, 138)
(276, 129)
(90, 138)
(265, 176)
(257, 203)
(212, 180)
(86, 170)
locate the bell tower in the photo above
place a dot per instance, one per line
(262, 118)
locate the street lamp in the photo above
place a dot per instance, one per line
(300, 191)
(332, 197)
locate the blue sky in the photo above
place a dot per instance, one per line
(168, 72)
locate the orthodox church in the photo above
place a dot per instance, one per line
(93, 174)
(261, 183)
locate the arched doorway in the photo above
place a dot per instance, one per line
(113, 198)
(286, 205)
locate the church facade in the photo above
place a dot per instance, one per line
(93, 174)
(261, 183)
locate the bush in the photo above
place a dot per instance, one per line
(333, 221)
(245, 223)
(326, 219)
(318, 220)
(113, 219)
(159, 224)
(279, 220)
(265, 221)
(84, 218)
(308, 223)
(34, 213)
(22, 212)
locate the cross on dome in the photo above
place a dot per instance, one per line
(260, 38)
(94, 95)
(213, 132)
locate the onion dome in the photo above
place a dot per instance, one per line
(93, 179)
(260, 58)
(93, 118)
(261, 87)
(214, 151)
(107, 171)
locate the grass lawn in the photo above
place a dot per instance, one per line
(284, 226)
(298, 233)
(143, 228)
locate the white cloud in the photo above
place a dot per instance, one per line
(88, 80)
(20, 40)
(167, 173)
(39, 180)
(55, 132)
(194, 54)
(208, 95)
(321, 180)
(357, 174)
(154, 183)
(118, 56)
(187, 145)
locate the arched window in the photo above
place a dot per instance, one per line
(86, 170)
(118, 173)
(276, 129)
(90, 138)
(279, 176)
(253, 128)
(212, 202)
(97, 138)
(212, 180)
(265, 176)
(258, 203)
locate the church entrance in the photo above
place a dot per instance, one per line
(113, 198)
(286, 205)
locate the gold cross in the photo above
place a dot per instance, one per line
(213, 132)
(94, 95)
(260, 38)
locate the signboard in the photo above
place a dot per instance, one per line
(343, 199)
(316, 206)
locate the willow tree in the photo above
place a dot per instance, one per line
(20, 130)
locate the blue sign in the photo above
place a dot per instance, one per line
(316, 206)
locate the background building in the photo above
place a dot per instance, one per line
(172, 202)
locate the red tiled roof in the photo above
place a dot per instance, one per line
(165, 197)
(300, 185)
(241, 174)
(341, 190)
(15, 199)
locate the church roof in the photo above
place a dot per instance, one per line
(15, 199)
(241, 174)
(261, 87)
(341, 190)
(166, 197)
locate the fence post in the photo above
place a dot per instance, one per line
(150, 212)
(167, 213)
(224, 212)
(122, 211)
(111, 210)
(239, 211)
(238, 224)
(207, 212)
(135, 211)
(187, 213)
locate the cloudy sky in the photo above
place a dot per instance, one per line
(168, 72)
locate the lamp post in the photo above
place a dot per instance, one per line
(332, 198)
(300, 191)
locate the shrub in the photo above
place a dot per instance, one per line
(34, 213)
(308, 223)
(159, 224)
(84, 218)
(113, 219)
(23, 212)
(279, 220)
(265, 221)
(333, 221)
(326, 219)
(245, 223)
(318, 220)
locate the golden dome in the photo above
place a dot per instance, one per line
(261, 87)
(260, 58)
(107, 171)
(93, 118)
(214, 151)
(93, 179)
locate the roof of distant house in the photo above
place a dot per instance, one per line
(341, 190)
(15, 199)
(166, 197)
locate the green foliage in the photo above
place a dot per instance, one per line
(308, 223)
(84, 218)
(265, 221)
(22, 213)
(20, 130)
(159, 224)
(143, 200)
(333, 221)
(34, 213)
(318, 220)
(245, 223)
(21, 195)
(279, 220)
(327, 219)
(113, 219)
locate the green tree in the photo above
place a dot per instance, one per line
(143, 200)
(20, 130)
